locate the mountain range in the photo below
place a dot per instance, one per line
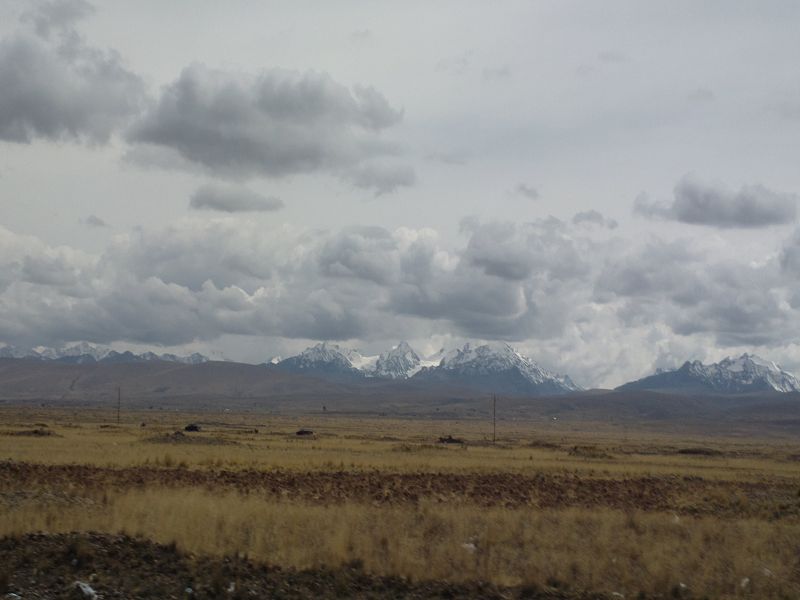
(491, 367)
(745, 374)
(85, 353)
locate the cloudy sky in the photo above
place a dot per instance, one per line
(610, 187)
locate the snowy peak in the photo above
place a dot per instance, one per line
(330, 359)
(499, 367)
(84, 352)
(326, 359)
(487, 357)
(746, 373)
(83, 349)
(750, 372)
(401, 362)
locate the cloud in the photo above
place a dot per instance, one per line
(55, 86)
(93, 221)
(361, 253)
(700, 203)
(611, 57)
(604, 309)
(275, 123)
(455, 65)
(593, 218)
(199, 279)
(682, 286)
(516, 252)
(455, 158)
(701, 95)
(360, 35)
(496, 73)
(232, 199)
(789, 256)
(381, 178)
(527, 191)
(56, 15)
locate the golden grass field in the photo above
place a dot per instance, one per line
(595, 511)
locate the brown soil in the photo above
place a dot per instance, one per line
(684, 495)
(39, 432)
(38, 566)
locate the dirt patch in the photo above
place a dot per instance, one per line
(543, 444)
(48, 566)
(700, 451)
(683, 495)
(38, 432)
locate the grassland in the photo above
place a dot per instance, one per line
(555, 511)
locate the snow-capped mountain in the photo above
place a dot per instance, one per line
(401, 362)
(497, 367)
(81, 349)
(329, 360)
(84, 353)
(747, 373)
(12, 352)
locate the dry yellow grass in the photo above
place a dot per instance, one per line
(597, 549)
(600, 550)
(395, 445)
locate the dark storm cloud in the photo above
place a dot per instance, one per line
(699, 203)
(232, 199)
(55, 86)
(275, 123)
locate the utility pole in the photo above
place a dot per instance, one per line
(119, 402)
(494, 419)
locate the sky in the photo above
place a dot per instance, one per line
(609, 187)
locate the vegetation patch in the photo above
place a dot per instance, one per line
(700, 451)
(585, 451)
(179, 437)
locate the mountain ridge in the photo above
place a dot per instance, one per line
(494, 366)
(731, 375)
(86, 353)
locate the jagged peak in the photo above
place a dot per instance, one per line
(747, 372)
